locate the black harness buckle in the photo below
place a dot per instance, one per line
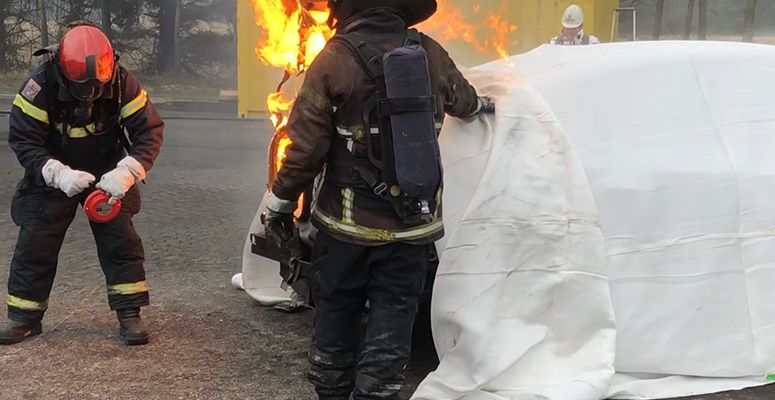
(381, 189)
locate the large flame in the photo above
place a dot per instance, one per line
(293, 37)
(490, 33)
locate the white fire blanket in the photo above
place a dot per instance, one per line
(611, 232)
(674, 140)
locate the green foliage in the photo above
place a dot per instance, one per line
(206, 32)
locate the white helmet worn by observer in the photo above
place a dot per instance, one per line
(573, 17)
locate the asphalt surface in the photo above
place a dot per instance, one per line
(209, 341)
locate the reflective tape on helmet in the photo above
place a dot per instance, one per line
(128, 288)
(30, 109)
(135, 105)
(27, 305)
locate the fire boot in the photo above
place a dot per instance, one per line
(15, 332)
(132, 329)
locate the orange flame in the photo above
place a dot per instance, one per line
(280, 156)
(493, 34)
(295, 35)
(293, 38)
(279, 106)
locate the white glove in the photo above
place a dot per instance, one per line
(62, 177)
(117, 182)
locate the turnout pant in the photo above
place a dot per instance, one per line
(43, 215)
(385, 284)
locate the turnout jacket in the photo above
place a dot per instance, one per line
(41, 126)
(327, 130)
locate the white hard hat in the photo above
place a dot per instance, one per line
(573, 17)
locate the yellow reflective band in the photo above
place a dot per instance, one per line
(135, 105)
(383, 235)
(128, 288)
(348, 199)
(27, 305)
(78, 133)
(30, 109)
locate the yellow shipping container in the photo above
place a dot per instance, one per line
(537, 21)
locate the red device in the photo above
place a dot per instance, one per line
(97, 208)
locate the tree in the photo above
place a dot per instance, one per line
(208, 52)
(43, 22)
(107, 24)
(702, 25)
(77, 11)
(689, 18)
(658, 19)
(750, 11)
(5, 45)
(169, 27)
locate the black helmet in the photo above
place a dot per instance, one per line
(413, 11)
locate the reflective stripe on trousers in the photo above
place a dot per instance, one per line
(25, 304)
(128, 288)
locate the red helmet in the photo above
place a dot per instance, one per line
(86, 56)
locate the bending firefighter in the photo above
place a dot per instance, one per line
(368, 115)
(67, 130)
(573, 29)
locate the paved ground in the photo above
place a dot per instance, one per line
(210, 341)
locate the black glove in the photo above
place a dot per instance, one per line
(279, 228)
(488, 106)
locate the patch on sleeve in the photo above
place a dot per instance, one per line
(31, 90)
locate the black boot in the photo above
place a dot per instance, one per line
(132, 329)
(15, 332)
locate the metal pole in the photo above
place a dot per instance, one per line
(613, 24)
(617, 13)
(634, 25)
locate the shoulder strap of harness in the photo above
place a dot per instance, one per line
(377, 111)
(370, 58)
(55, 112)
(122, 135)
(413, 37)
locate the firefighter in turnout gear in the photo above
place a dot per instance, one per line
(573, 29)
(368, 114)
(67, 129)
